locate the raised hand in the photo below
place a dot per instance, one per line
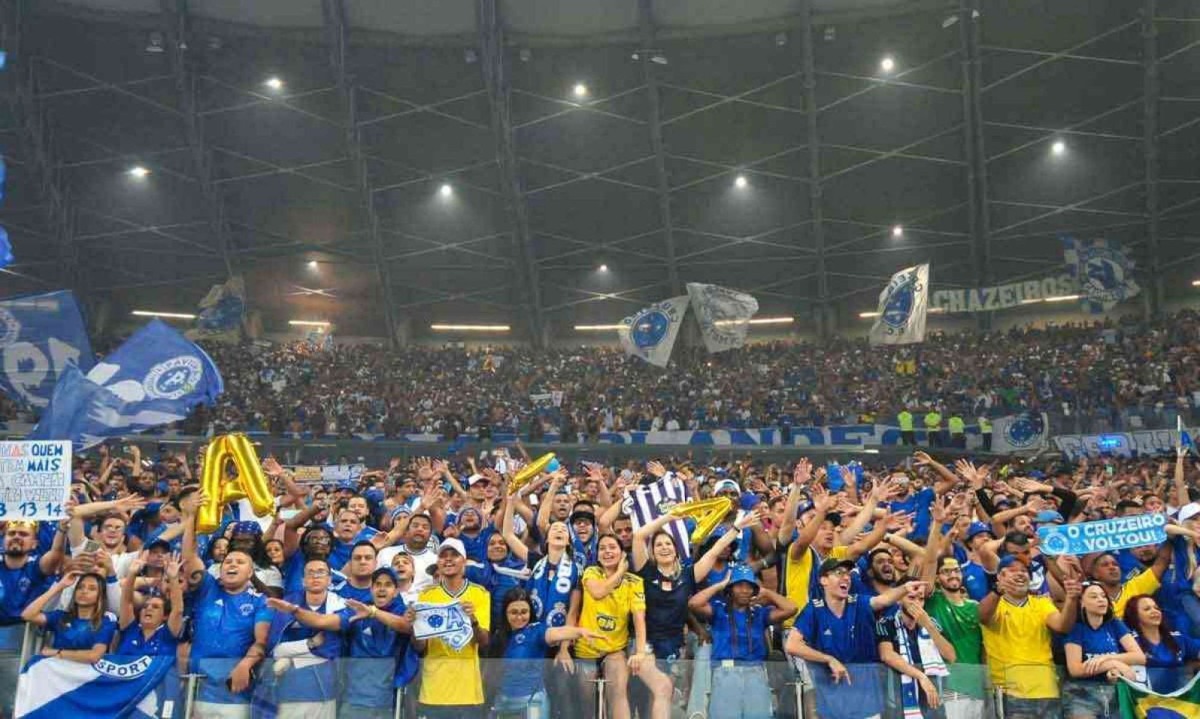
(656, 468)
(272, 467)
(803, 472)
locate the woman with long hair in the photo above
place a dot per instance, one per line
(215, 552)
(1167, 651)
(273, 549)
(83, 631)
(523, 643)
(1099, 647)
(614, 601)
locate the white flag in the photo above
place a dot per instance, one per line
(724, 315)
(902, 307)
(650, 333)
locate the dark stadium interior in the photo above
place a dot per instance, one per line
(380, 104)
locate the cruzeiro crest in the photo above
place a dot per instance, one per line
(901, 298)
(648, 328)
(1025, 430)
(1103, 270)
(173, 378)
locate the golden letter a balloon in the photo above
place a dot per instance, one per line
(708, 513)
(249, 483)
(527, 473)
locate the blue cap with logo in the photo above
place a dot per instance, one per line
(742, 573)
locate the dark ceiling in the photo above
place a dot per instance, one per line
(345, 163)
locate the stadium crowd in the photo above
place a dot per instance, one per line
(895, 590)
(1110, 376)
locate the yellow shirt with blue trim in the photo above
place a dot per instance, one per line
(609, 617)
(449, 677)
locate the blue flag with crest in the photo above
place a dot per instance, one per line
(155, 378)
(40, 336)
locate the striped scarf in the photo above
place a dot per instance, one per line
(931, 663)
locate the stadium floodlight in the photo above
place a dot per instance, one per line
(887, 64)
(469, 328)
(312, 265)
(580, 90)
(757, 321)
(604, 268)
(446, 190)
(1195, 283)
(1059, 147)
(868, 315)
(165, 315)
(897, 231)
(308, 323)
(139, 172)
(596, 328)
(740, 182)
(274, 82)
(1062, 298)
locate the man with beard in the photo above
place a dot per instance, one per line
(958, 617)
(22, 579)
(419, 528)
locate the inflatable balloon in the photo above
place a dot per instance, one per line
(526, 474)
(708, 513)
(250, 482)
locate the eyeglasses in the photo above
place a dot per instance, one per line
(839, 572)
(317, 573)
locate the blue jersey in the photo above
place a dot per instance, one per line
(315, 682)
(79, 633)
(1167, 670)
(380, 660)
(339, 552)
(1097, 642)
(477, 547)
(524, 657)
(349, 591)
(739, 634)
(975, 580)
(19, 587)
(134, 642)
(293, 575)
(222, 632)
(918, 505)
(850, 639)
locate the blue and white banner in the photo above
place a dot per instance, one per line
(1103, 271)
(155, 378)
(1107, 535)
(645, 503)
(902, 308)
(1025, 432)
(447, 622)
(221, 311)
(1142, 443)
(116, 686)
(650, 333)
(723, 314)
(40, 336)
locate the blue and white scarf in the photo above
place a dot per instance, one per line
(551, 596)
(931, 664)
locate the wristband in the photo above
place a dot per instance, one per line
(374, 610)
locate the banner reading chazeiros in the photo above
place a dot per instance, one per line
(1002, 297)
(1107, 535)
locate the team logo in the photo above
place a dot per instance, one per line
(10, 328)
(1025, 430)
(1104, 276)
(246, 609)
(436, 621)
(723, 314)
(901, 298)
(649, 328)
(1055, 543)
(174, 378)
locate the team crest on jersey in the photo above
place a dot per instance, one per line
(246, 609)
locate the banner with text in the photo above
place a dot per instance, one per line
(1146, 442)
(35, 480)
(1108, 535)
(1002, 297)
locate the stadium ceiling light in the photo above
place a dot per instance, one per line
(604, 268)
(1195, 283)
(868, 315)
(580, 90)
(308, 323)
(740, 182)
(274, 82)
(758, 321)
(1059, 147)
(446, 190)
(469, 328)
(167, 315)
(596, 328)
(139, 172)
(897, 231)
(312, 264)
(1062, 298)
(887, 64)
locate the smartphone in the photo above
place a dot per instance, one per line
(91, 546)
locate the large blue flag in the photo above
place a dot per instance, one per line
(40, 336)
(116, 686)
(155, 378)
(6, 255)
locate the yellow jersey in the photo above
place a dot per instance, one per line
(609, 617)
(450, 677)
(798, 576)
(1144, 583)
(1017, 641)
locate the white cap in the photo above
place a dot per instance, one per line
(1188, 511)
(453, 543)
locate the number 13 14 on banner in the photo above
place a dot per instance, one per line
(35, 480)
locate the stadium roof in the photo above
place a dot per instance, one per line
(478, 161)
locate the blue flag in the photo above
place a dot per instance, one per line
(40, 336)
(221, 312)
(155, 378)
(6, 255)
(144, 687)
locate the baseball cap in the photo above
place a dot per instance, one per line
(247, 528)
(160, 544)
(452, 543)
(742, 573)
(1007, 561)
(475, 478)
(1047, 516)
(726, 485)
(1188, 511)
(978, 528)
(831, 564)
(347, 486)
(385, 571)
(581, 514)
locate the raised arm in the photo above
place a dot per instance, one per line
(781, 607)
(307, 617)
(35, 612)
(641, 538)
(946, 478)
(700, 602)
(1181, 492)
(174, 581)
(600, 588)
(708, 560)
(543, 515)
